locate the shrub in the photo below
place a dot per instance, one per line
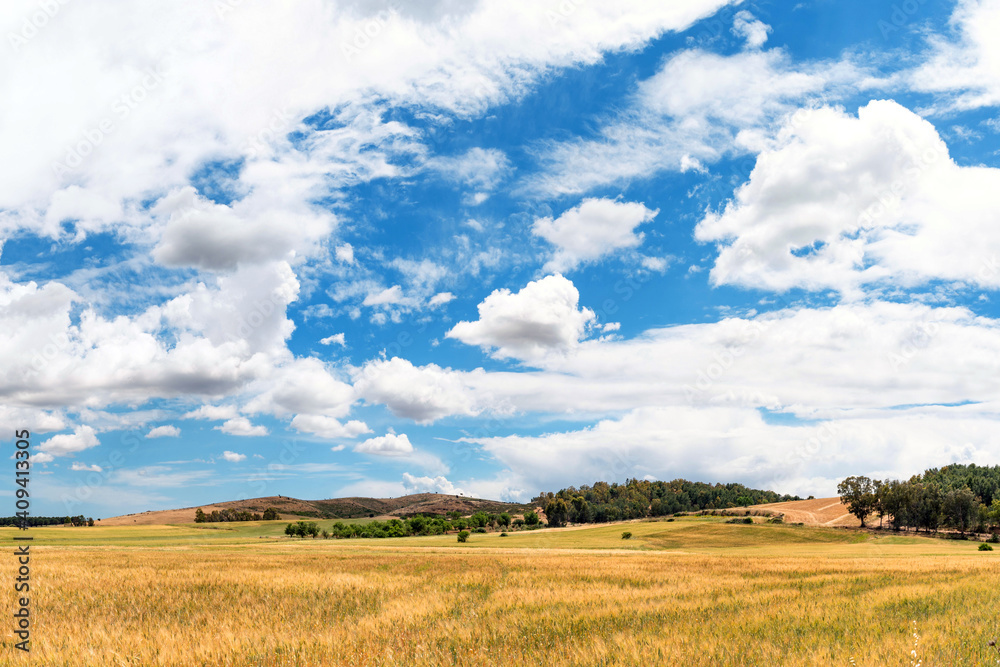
(480, 530)
(994, 539)
(463, 536)
(985, 547)
(626, 535)
(670, 519)
(503, 534)
(748, 520)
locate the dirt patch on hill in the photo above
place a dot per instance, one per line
(816, 512)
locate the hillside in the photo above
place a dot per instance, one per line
(337, 508)
(815, 512)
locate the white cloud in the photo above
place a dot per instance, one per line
(423, 394)
(80, 467)
(967, 69)
(543, 318)
(412, 484)
(477, 168)
(390, 296)
(671, 442)
(440, 299)
(302, 386)
(212, 236)
(843, 201)
(83, 437)
(241, 426)
(595, 228)
(166, 431)
(328, 427)
(755, 32)
(233, 457)
(213, 412)
(43, 457)
(337, 338)
(391, 444)
(345, 253)
(698, 108)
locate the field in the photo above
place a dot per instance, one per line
(695, 591)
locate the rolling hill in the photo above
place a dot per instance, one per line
(337, 508)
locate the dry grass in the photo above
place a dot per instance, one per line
(346, 603)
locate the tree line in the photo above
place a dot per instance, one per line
(963, 497)
(637, 499)
(33, 521)
(228, 514)
(417, 525)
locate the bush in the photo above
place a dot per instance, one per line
(985, 547)
(463, 536)
(994, 539)
(670, 519)
(503, 534)
(626, 535)
(480, 530)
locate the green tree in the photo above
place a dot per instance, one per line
(557, 511)
(271, 514)
(504, 519)
(531, 518)
(858, 493)
(960, 509)
(199, 516)
(463, 536)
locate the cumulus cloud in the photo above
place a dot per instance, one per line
(166, 431)
(670, 442)
(965, 69)
(755, 32)
(328, 427)
(83, 437)
(213, 412)
(422, 394)
(345, 253)
(543, 318)
(81, 467)
(335, 339)
(698, 108)
(412, 484)
(391, 444)
(842, 202)
(241, 426)
(591, 230)
(233, 457)
(212, 236)
(440, 299)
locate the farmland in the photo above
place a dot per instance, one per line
(695, 591)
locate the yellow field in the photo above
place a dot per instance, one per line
(690, 592)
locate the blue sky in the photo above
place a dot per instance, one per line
(495, 248)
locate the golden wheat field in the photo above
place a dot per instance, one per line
(690, 592)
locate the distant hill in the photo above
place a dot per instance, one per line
(336, 508)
